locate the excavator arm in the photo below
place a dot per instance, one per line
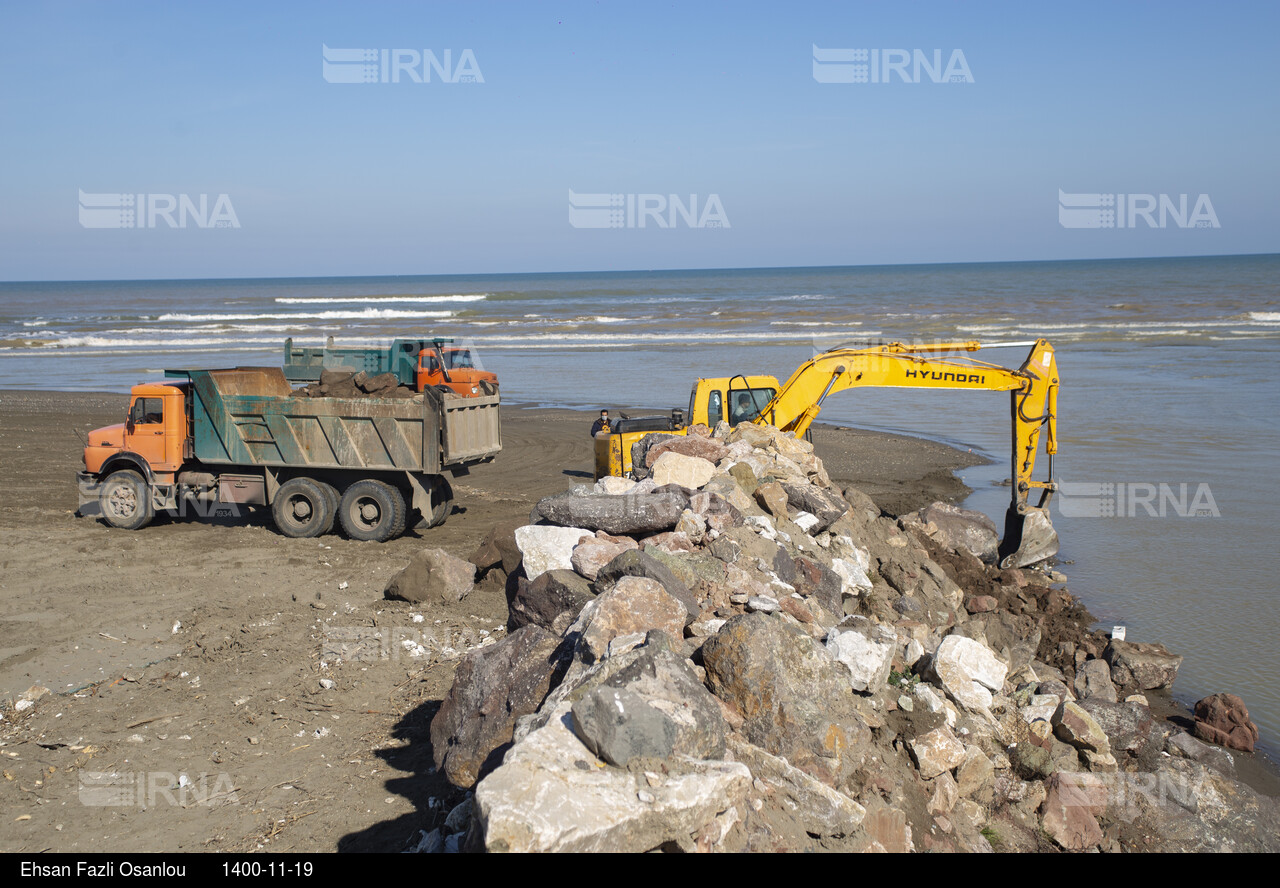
(1033, 389)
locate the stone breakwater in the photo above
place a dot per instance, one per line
(733, 654)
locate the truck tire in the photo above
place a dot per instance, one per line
(372, 511)
(441, 501)
(301, 508)
(125, 500)
(334, 498)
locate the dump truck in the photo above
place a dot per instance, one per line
(792, 406)
(238, 437)
(417, 363)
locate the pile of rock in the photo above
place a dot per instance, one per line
(732, 654)
(346, 384)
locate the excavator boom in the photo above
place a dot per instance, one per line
(1033, 389)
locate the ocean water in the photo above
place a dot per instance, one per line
(1169, 412)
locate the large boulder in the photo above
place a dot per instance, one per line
(635, 563)
(937, 752)
(628, 513)
(793, 696)
(867, 650)
(968, 671)
(709, 449)
(1130, 727)
(655, 707)
(499, 548)
(552, 601)
(492, 687)
(545, 548)
(956, 528)
(1224, 720)
(591, 555)
(691, 472)
(825, 505)
(815, 807)
(552, 794)
(434, 576)
(1071, 808)
(633, 605)
(1143, 666)
(1093, 681)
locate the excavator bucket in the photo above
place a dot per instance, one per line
(1028, 539)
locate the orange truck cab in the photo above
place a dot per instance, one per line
(455, 369)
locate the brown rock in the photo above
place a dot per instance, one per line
(1071, 806)
(1224, 720)
(433, 575)
(981, 604)
(492, 687)
(773, 498)
(633, 604)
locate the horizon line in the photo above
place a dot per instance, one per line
(628, 270)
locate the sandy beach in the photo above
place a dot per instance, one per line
(194, 649)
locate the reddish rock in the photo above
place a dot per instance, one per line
(1071, 806)
(1224, 720)
(981, 604)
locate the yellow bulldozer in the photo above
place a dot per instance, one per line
(793, 406)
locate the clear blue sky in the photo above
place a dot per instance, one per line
(702, 98)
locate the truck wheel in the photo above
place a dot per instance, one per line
(441, 502)
(302, 509)
(125, 501)
(335, 499)
(372, 510)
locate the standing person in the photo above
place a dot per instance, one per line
(601, 424)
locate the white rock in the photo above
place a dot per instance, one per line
(853, 578)
(761, 525)
(614, 486)
(867, 651)
(1041, 706)
(22, 705)
(548, 548)
(552, 794)
(687, 471)
(806, 521)
(968, 671)
(762, 603)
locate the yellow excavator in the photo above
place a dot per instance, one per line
(793, 406)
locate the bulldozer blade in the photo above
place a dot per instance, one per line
(1028, 539)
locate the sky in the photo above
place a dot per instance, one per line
(548, 112)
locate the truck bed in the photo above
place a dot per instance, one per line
(245, 416)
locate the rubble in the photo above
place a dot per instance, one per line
(734, 654)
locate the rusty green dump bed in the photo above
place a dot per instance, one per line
(246, 416)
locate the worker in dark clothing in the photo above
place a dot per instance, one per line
(601, 424)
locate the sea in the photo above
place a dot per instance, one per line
(1169, 411)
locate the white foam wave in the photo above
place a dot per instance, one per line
(361, 314)
(322, 300)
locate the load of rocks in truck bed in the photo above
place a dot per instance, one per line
(733, 654)
(346, 384)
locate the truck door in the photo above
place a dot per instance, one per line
(156, 428)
